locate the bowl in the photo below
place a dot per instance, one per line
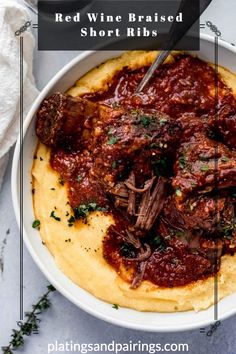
(145, 321)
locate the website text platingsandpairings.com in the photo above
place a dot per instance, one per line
(114, 347)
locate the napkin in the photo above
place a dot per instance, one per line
(12, 17)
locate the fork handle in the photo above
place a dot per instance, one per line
(161, 57)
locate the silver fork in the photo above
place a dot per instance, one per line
(176, 33)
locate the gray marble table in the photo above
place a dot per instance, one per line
(64, 321)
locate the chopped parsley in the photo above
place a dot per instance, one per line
(204, 168)
(79, 178)
(36, 224)
(145, 121)
(163, 121)
(52, 215)
(182, 161)
(112, 140)
(103, 209)
(178, 193)
(212, 135)
(71, 221)
(178, 233)
(159, 167)
(228, 230)
(61, 181)
(115, 306)
(224, 159)
(114, 164)
(126, 250)
(157, 241)
(83, 210)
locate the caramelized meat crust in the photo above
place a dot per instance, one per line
(203, 165)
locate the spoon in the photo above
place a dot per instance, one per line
(177, 32)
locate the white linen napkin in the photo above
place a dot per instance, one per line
(12, 17)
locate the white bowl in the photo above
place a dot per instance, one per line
(146, 321)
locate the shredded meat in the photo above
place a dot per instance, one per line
(131, 194)
(151, 205)
(145, 253)
(137, 279)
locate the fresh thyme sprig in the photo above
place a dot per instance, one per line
(31, 324)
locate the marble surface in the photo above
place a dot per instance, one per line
(63, 321)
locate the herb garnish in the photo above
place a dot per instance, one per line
(115, 306)
(83, 210)
(182, 161)
(224, 159)
(204, 168)
(61, 181)
(114, 164)
(52, 215)
(126, 250)
(178, 233)
(145, 121)
(159, 166)
(157, 241)
(112, 140)
(36, 224)
(79, 178)
(103, 209)
(178, 193)
(163, 121)
(228, 230)
(71, 221)
(31, 325)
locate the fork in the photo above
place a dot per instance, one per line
(176, 33)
